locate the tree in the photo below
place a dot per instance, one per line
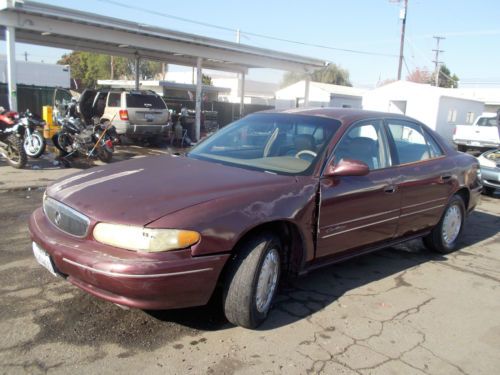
(446, 79)
(331, 73)
(89, 67)
(419, 75)
(206, 80)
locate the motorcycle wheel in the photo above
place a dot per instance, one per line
(16, 155)
(104, 155)
(35, 145)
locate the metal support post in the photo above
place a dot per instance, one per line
(306, 93)
(10, 38)
(198, 98)
(242, 95)
(137, 71)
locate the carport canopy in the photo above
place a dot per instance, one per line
(53, 26)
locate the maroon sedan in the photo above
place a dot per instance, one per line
(272, 194)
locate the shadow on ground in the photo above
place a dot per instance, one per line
(299, 298)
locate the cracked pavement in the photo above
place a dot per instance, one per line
(401, 310)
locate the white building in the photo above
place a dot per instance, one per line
(320, 95)
(37, 74)
(439, 108)
(489, 95)
(256, 92)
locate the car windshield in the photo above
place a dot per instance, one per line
(280, 143)
(145, 101)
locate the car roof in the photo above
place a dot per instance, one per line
(344, 115)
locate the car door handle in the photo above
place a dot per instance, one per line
(390, 189)
(446, 177)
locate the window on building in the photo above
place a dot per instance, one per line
(470, 118)
(452, 116)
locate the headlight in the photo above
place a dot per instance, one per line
(485, 162)
(144, 239)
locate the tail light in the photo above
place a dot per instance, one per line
(123, 115)
(109, 143)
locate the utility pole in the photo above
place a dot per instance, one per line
(402, 16)
(437, 63)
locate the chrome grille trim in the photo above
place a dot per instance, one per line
(65, 218)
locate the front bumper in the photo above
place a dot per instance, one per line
(490, 177)
(166, 280)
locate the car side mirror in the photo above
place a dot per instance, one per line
(346, 167)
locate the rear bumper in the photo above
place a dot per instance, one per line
(490, 177)
(476, 144)
(133, 130)
(147, 281)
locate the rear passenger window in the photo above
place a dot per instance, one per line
(114, 99)
(411, 143)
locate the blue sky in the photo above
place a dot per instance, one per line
(471, 28)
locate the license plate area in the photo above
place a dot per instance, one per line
(43, 258)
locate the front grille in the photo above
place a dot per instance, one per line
(65, 218)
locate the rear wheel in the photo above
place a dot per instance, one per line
(252, 280)
(104, 155)
(444, 237)
(16, 155)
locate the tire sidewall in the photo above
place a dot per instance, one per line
(257, 316)
(455, 201)
(41, 149)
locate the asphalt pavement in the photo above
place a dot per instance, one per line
(401, 310)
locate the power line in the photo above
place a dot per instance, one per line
(233, 30)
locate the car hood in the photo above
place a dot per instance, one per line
(139, 191)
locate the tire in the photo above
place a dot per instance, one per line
(104, 155)
(445, 235)
(488, 190)
(36, 146)
(17, 157)
(462, 148)
(252, 280)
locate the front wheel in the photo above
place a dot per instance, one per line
(34, 145)
(444, 237)
(488, 190)
(252, 280)
(16, 155)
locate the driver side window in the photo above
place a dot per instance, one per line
(364, 142)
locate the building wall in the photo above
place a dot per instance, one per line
(37, 74)
(344, 101)
(452, 112)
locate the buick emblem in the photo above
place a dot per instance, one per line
(57, 218)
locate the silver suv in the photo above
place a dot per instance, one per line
(137, 114)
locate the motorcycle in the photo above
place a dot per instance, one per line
(93, 141)
(11, 139)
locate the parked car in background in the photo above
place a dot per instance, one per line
(273, 194)
(490, 171)
(484, 133)
(137, 114)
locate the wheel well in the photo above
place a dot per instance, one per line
(291, 239)
(465, 195)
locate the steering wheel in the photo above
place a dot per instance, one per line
(305, 152)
